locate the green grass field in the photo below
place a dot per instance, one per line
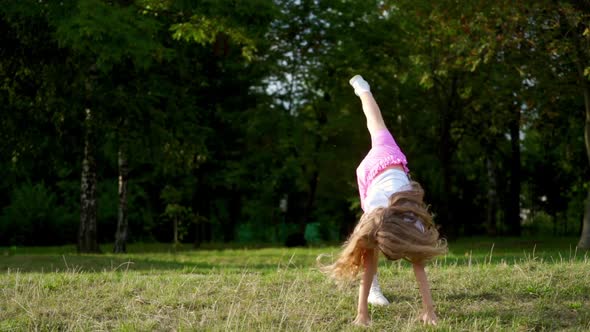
(482, 285)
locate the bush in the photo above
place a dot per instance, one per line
(34, 218)
(250, 232)
(540, 224)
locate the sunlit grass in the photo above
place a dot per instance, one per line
(483, 284)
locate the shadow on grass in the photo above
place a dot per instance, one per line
(158, 256)
(485, 296)
(536, 317)
(95, 263)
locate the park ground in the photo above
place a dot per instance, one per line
(483, 284)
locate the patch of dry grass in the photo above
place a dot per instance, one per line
(475, 289)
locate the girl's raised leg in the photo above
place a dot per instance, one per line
(375, 123)
(370, 108)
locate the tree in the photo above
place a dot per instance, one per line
(560, 37)
(122, 216)
(241, 105)
(112, 34)
(223, 82)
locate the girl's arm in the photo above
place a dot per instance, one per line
(428, 315)
(370, 264)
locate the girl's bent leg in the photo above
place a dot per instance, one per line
(376, 296)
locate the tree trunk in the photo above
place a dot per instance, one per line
(513, 217)
(322, 120)
(175, 230)
(202, 207)
(87, 233)
(122, 224)
(584, 242)
(585, 236)
(491, 228)
(235, 210)
(448, 228)
(313, 186)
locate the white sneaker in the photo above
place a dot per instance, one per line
(375, 295)
(359, 84)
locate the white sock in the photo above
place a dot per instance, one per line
(359, 84)
(376, 296)
(375, 284)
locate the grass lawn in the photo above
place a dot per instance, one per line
(483, 284)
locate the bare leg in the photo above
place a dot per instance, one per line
(372, 113)
(376, 296)
(362, 317)
(370, 108)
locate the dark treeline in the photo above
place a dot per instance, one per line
(222, 121)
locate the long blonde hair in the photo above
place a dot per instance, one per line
(392, 230)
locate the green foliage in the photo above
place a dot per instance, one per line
(35, 217)
(250, 233)
(238, 105)
(109, 34)
(171, 195)
(176, 213)
(204, 31)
